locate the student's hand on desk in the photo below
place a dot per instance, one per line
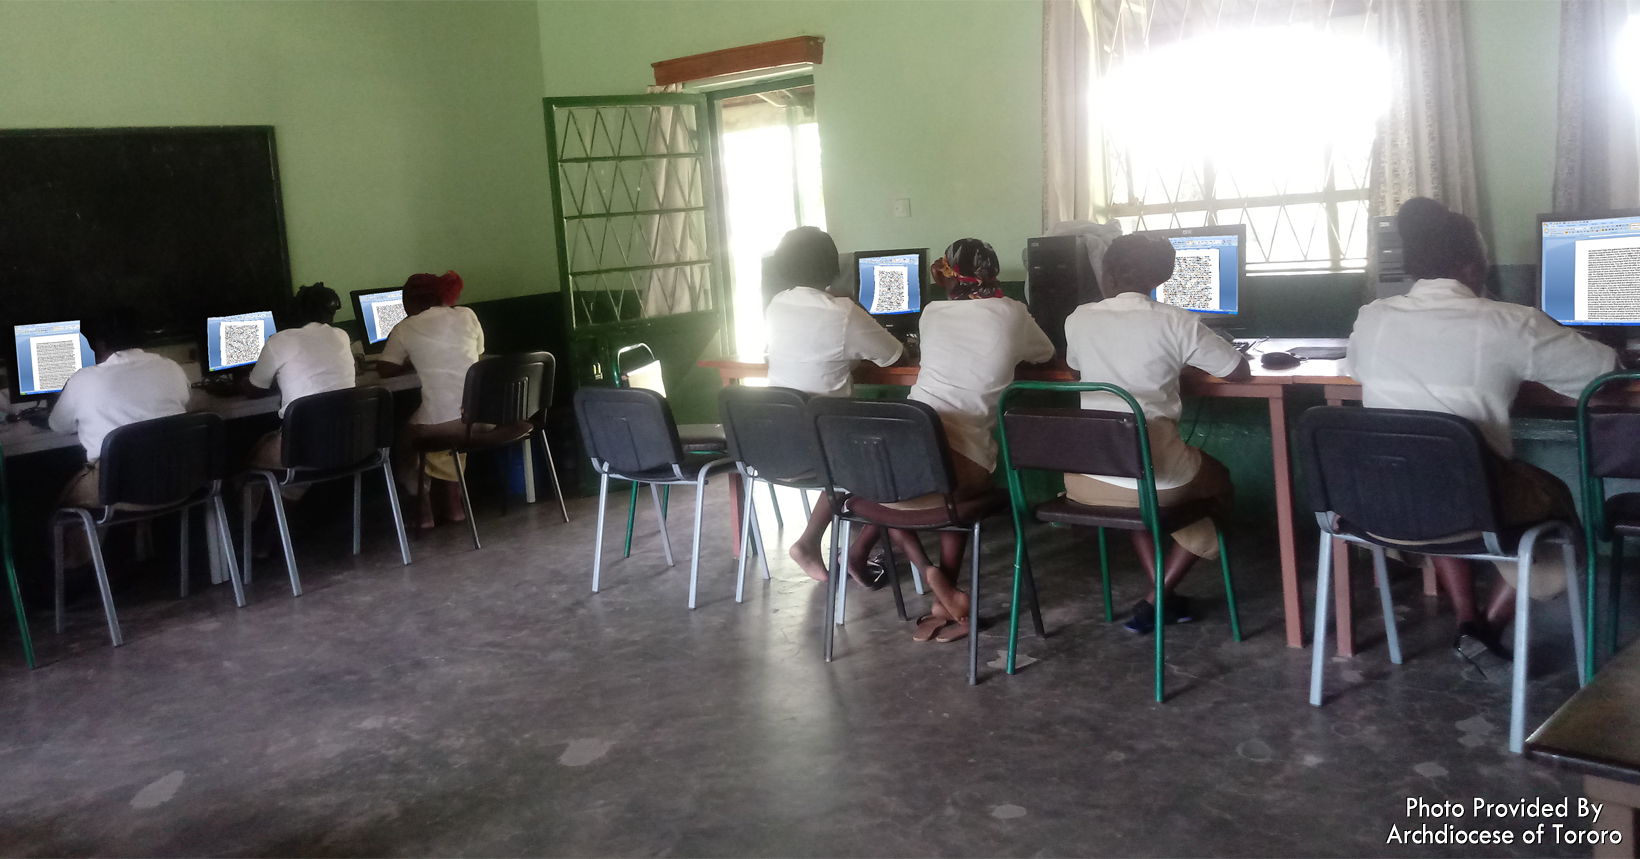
(252, 391)
(388, 371)
(1242, 373)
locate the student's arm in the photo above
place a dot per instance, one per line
(395, 361)
(1034, 345)
(65, 416)
(1561, 359)
(864, 337)
(1211, 353)
(260, 381)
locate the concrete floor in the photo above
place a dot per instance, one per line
(486, 703)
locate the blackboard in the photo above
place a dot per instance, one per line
(178, 223)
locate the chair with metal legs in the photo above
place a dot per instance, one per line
(695, 438)
(771, 440)
(146, 470)
(1087, 441)
(630, 435)
(875, 453)
(1386, 478)
(1608, 445)
(328, 436)
(504, 402)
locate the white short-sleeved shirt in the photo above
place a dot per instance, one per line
(1440, 348)
(312, 359)
(1141, 345)
(441, 342)
(815, 338)
(131, 386)
(969, 351)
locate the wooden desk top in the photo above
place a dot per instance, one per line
(22, 437)
(1597, 732)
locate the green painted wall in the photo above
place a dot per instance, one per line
(937, 101)
(409, 133)
(1514, 48)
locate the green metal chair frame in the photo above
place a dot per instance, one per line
(1595, 527)
(11, 566)
(1148, 507)
(666, 491)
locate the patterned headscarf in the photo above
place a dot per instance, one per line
(443, 289)
(969, 270)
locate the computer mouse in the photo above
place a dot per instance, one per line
(1278, 361)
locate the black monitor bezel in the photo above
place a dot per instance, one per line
(923, 280)
(358, 316)
(204, 340)
(1237, 230)
(1537, 300)
(13, 392)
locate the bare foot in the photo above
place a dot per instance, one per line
(454, 510)
(808, 557)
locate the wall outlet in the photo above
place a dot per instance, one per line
(902, 207)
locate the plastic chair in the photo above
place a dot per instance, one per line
(1384, 478)
(511, 394)
(329, 436)
(150, 469)
(885, 452)
(630, 435)
(11, 567)
(1087, 441)
(771, 439)
(1608, 446)
(695, 438)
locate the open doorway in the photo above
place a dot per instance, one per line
(769, 157)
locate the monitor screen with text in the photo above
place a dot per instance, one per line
(891, 283)
(1206, 269)
(379, 312)
(236, 341)
(47, 354)
(1591, 269)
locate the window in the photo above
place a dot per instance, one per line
(1268, 126)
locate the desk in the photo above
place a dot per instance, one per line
(1597, 734)
(1268, 385)
(23, 438)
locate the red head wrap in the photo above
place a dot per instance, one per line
(443, 289)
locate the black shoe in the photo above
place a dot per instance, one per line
(1175, 609)
(1471, 634)
(1143, 621)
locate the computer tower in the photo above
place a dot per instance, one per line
(1058, 278)
(1389, 274)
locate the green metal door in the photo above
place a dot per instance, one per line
(639, 255)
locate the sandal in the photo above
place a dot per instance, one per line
(928, 626)
(954, 632)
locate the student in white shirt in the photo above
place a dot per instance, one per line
(815, 338)
(1443, 347)
(970, 347)
(125, 386)
(1141, 345)
(440, 341)
(311, 358)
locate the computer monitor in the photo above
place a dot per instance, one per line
(1589, 268)
(1208, 272)
(890, 283)
(46, 354)
(378, 310)
(236, 341)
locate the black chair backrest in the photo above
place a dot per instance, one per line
(506, 389)
(1614, 444)
(882, 450)
(1400, 475)
(162, 461)
(769, 430)
(1081, 441)
(629, 429)
(336, 429)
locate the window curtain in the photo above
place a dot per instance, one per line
(1072, 175)
(1425, 143)
(1597, 159)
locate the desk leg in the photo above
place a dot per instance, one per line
(737, 490)
(1284, 522)
(529, 472)
(213, 546)
(1342, 608)
(1618, 816)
